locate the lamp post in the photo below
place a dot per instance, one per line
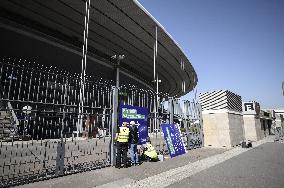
(118, 58)
(115, 90)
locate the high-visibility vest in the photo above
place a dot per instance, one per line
(123, 134)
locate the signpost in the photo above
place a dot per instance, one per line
(173, 138)
(137, 114)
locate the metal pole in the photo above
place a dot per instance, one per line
(117, 72)
(201, 124)
(64, 109)
(155, 114)
(155, 50)
(155, 79)
(154, 58)
(157, 102)
(84, 64)
(114, 125)
(171, 110)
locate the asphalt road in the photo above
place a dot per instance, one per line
(260, 167)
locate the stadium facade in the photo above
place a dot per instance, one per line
(51, 33)
(41, 62)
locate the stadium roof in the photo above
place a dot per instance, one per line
(116, 27)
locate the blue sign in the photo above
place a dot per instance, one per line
(139, 116)
(173, 138)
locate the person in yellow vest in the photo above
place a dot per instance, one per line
(122, 137)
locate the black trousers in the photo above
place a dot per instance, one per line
(121, 153)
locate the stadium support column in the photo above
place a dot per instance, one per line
(114, 124)
(155, 79)
(115, 95)
(171, 110)
(84, 65)
(157, 102)
(155, 51)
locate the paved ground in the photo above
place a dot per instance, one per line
(260, 167)
(111, 176)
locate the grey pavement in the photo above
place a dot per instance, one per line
(260, 167)
(107, 177)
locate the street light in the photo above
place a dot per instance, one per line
(118, 58)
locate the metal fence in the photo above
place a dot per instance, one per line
(45, 132)
(39, 116)
(167, 110)
(188, 116)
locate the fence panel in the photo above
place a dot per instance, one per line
(185, 113)
(40, 112)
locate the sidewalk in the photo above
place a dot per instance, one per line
(107, 175)
(166, 179)
(149, 174)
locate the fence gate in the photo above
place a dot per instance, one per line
(39, 114)
(167, 110)
(187, 115)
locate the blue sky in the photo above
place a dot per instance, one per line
(233, 44)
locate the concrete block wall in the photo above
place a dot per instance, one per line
(215, 128)
(222, 129)
(259, 132)
(236, 123)
(252, 128)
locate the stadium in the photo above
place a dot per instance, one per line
(34, 30)
(67, 65)
(49, 36)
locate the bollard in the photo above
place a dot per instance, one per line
(244, 144)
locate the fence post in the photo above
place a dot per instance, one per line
(60, 158)
(201, 123)
(114, 125)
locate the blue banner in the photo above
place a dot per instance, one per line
(173, 138)
(138, 114)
